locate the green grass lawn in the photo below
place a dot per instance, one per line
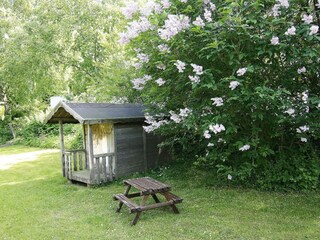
(36, 202)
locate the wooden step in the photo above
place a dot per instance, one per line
(126, 201)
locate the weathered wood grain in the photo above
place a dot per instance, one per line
(90, 144)
(126, 201)
(62, 147)
(147, 187)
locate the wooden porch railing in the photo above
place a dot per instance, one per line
(103, 168)
(75, 160)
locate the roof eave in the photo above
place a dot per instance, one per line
(67, 109)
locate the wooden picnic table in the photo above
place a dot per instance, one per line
(146, 187)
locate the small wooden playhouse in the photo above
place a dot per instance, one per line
(114, 141)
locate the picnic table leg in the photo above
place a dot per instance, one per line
(156, 199)
(173, 206)
(136, 218)
(125, 193)
(143, 202)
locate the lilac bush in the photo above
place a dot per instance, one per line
(233, 84)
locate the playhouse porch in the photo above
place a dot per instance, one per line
(100, 169)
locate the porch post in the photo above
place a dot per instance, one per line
(62, 148)
(84, 138)
(145, 160)
(90, 151)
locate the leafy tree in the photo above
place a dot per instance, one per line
(233, 84)
(55, 47)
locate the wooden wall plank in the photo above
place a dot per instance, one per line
(129, 148)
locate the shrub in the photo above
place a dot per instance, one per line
(5, 133)
(235, 83)
(38, 134)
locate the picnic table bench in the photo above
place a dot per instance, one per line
(146, 187)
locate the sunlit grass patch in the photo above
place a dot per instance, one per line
(16, 149)
(36, 202)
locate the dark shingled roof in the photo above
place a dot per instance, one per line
(95, 113)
